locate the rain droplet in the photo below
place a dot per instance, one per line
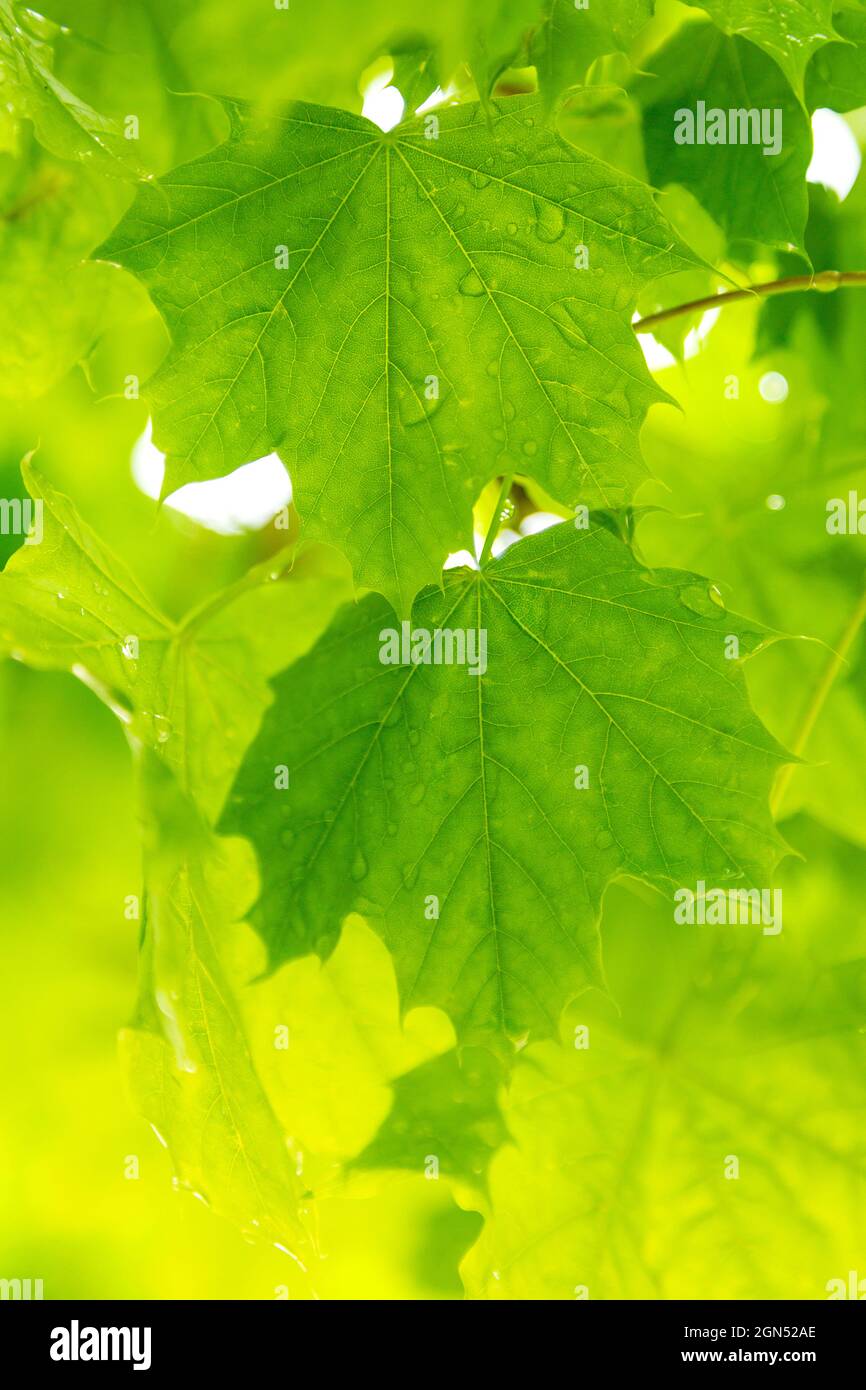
(414, 408)
(549, 221)
(471, 284)
(706, 600)
(564, 314)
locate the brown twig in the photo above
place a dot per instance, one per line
(825, 280)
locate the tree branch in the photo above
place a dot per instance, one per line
(824, 281)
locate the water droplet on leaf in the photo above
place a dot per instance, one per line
(471, 284)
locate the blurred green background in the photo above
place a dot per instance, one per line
(743, 481)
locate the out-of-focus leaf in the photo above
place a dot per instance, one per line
(570, 39)
(193, 691)
(328, 1042)
(755, 196)
(836, 76)
(746, 482)
(120, 58)
(186, 1052)
(416, 72)
(606, 122)
(63, 188)
(52, 303)
(318, 52)
(445, 1113)
(64, 124)
(780, 313)
(702, 1140)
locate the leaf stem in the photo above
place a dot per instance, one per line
(264, 572)
(838, 657)
(825, 280)
(495, 520)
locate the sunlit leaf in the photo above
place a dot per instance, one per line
(450, 808)
(470, 333)
(790, 31)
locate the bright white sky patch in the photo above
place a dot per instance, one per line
(538, 521)
(657, 356)
(383, 104)
(529, 526)
(243, 501)
(506, 538)
(436, 98)
(460, 559)
(655, 353)
(836, 157)
(695, 336)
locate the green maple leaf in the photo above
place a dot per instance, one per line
(186, 1052)
(570, 39)
(445, 806)
(193, 691)
(403, 317)
(753, 196)
(790, 31)
(744, 1049)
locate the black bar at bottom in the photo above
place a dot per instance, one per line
(150, 1338)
